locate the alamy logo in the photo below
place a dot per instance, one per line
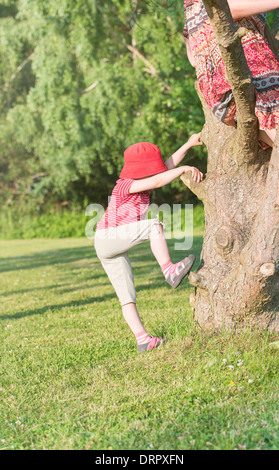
(176, 219)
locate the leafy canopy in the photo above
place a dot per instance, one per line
(82, 80)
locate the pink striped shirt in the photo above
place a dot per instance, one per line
(124, 208)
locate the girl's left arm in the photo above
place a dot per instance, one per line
(243, 8)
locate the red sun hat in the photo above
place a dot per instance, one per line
(142, 160)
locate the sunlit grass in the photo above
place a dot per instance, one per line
(71, 377)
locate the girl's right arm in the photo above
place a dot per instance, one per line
(157, 181)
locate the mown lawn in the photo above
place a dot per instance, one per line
(71, 377)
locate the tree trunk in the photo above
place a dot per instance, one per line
(237, 281)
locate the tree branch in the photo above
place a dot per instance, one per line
(18, 70)
(261, 255)
(91, 87)
(151, 69)
(197, 188)
(197, 280)
(228, 36)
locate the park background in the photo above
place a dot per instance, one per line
(80, 82)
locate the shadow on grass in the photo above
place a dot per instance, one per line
(139, 254)
(77, 303)
(69, 255)
(46, 258)
(61, 289)
(85, 302)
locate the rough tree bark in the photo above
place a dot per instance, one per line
(237, 281)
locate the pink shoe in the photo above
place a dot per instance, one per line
(175, 278)
(154, 343)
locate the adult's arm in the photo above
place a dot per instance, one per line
(243, 8)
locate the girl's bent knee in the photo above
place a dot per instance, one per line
(157, 229)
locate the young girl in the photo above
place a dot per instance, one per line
(123, 226)
(204, 54)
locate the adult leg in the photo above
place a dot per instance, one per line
(268, 136)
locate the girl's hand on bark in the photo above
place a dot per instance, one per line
(196, 174)
(194, 140)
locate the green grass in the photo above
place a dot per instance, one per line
(71, 377)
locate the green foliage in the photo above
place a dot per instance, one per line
(62, 223)
(74, 95)
(52, 224)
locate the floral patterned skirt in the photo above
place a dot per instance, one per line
(264, 69)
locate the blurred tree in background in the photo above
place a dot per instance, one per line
(81, 80)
